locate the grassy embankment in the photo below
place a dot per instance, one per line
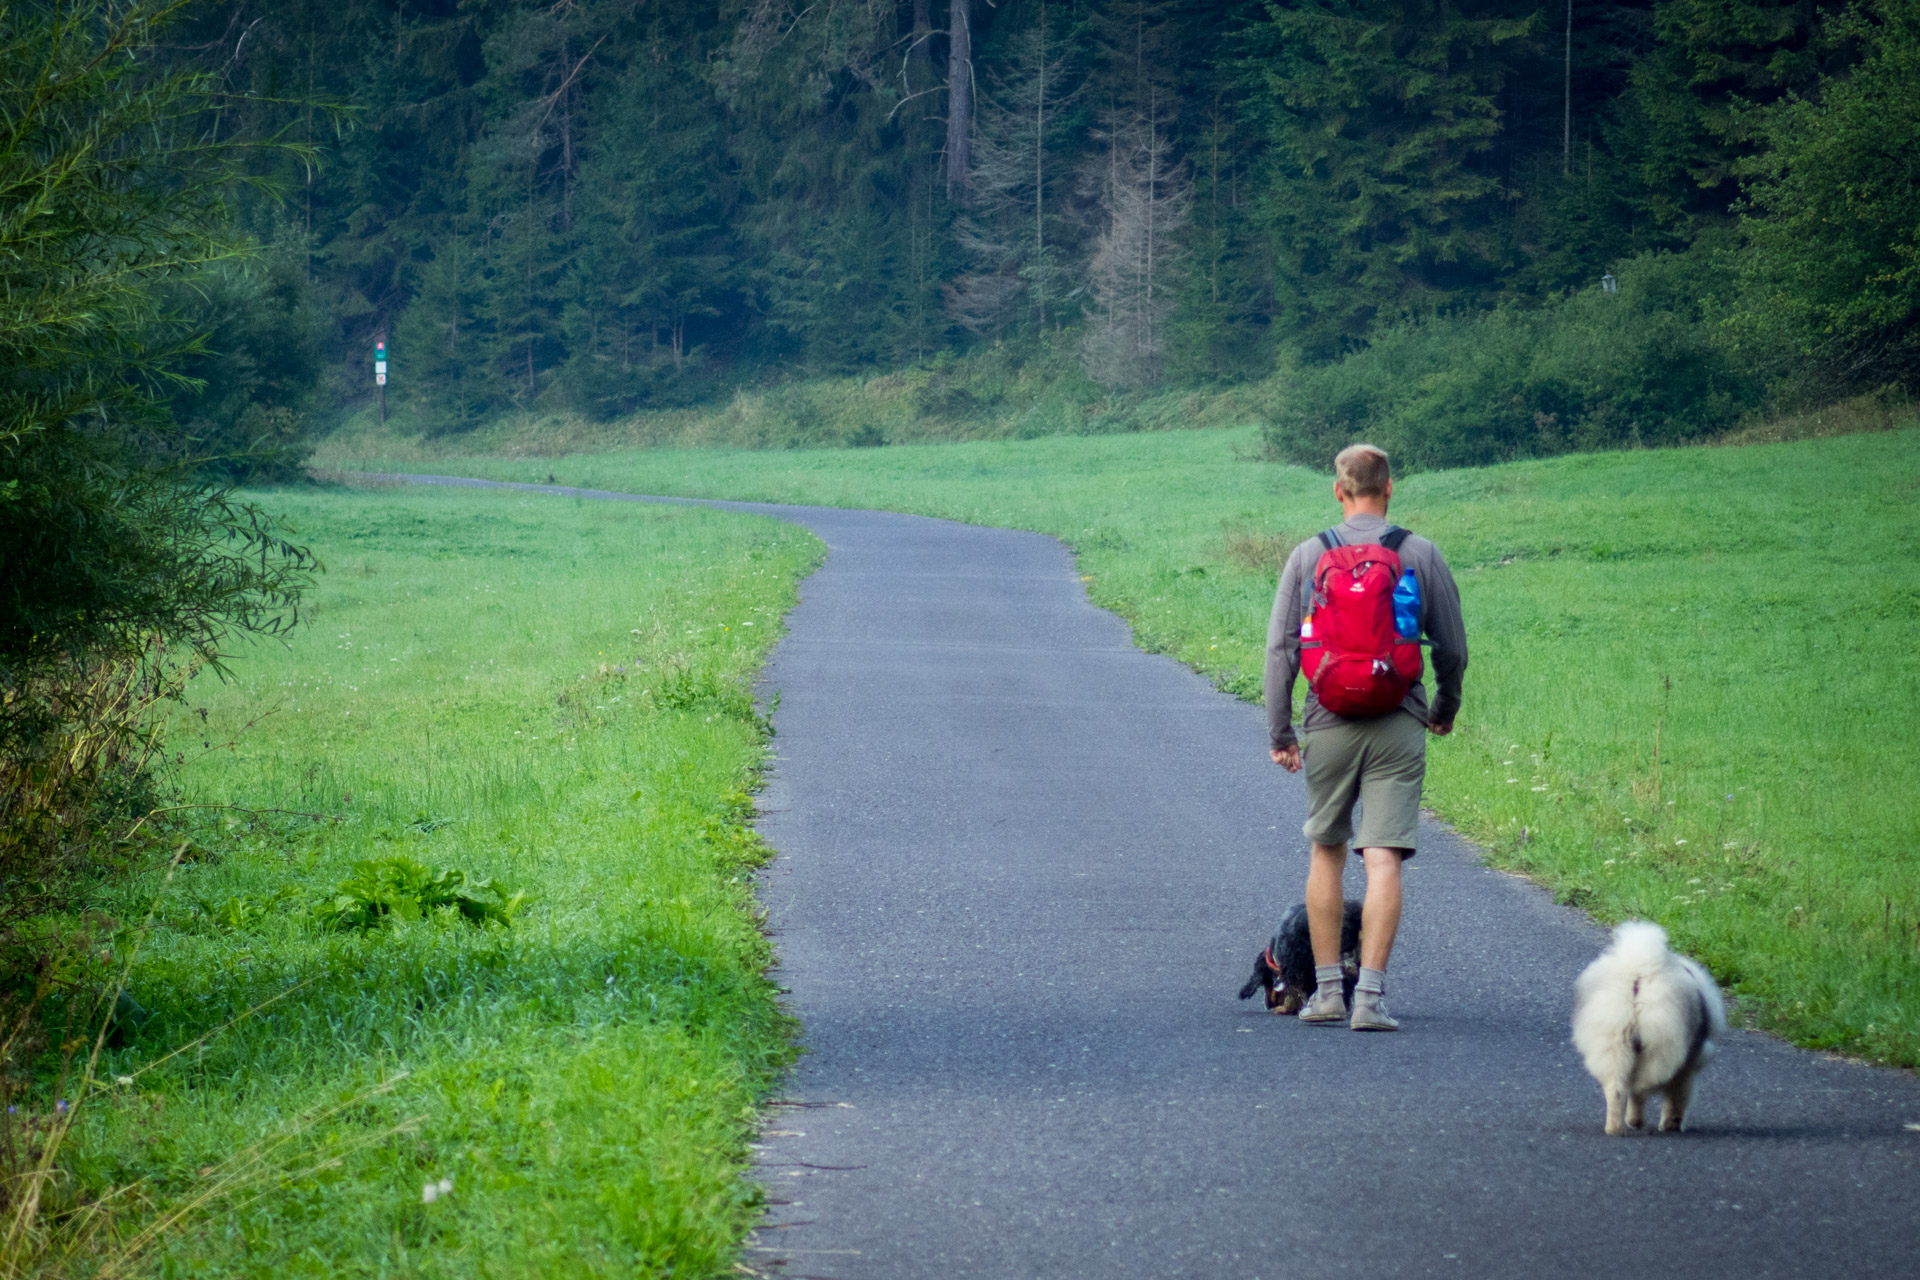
(547, 693)
(1693, 694)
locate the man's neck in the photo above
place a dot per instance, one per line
(1376, 507)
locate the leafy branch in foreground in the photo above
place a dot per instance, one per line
(121, 573)
(114, 181)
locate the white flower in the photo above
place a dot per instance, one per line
(429, 1193)
(123, 1079)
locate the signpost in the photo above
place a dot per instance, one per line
(380, 372)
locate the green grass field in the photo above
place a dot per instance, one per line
(548, 693)
(1693, 693)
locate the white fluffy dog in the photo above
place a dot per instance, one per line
(1645, 1021)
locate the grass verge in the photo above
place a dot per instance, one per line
(1692, 696)
(550, 695)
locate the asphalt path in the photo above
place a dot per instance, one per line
(1023, 869)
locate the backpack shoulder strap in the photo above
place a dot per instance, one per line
(1329, 538)
(1393, 537)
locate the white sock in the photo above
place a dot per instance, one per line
(1327, 977)
(1372, 981)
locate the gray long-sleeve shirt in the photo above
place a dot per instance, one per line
(1440, 622)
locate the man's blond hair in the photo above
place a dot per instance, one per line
(1361, 471)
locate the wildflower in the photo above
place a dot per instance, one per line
(434, 1190)
(61, 1105)
(1679, 841)
(123, 1080)
(1513, 779)
(1539, 788)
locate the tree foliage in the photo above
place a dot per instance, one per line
(1834, 223)
(603, 206)
(115, 185)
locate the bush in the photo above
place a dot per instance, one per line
(1643, 366)
(72, 794)
(114, 556)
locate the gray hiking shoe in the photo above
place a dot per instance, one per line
(1370, 1013)
(1324, 1005)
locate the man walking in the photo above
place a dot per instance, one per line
(1327, 607)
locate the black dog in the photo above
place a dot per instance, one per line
(1284, 970)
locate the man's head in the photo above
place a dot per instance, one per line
(1361, 479)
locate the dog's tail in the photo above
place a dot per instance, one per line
(1262, 976)
(1640, 946)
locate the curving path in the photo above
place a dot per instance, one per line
(1024, 868)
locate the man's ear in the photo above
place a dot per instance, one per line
(1339, 494)
(1388, 495)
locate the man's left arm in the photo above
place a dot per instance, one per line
(1447, 629)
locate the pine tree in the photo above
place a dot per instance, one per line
(1219, 329)
(1011, 231)
(1685, 125)
(1380, 115)
(658, 257)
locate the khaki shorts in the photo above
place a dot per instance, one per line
(1380, 762)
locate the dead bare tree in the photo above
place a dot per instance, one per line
(1146, 195)
(960, 101)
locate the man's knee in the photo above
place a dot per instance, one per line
(1383, 867)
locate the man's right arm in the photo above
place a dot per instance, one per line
(1283, 655)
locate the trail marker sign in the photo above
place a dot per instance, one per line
(380, 371)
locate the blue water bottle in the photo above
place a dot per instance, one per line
(1406, 606)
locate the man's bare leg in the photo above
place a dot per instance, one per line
(1379, 922)
(1379, 915)
(1326, 903)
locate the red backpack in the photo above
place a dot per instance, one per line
(1357, 662)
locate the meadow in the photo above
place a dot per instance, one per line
(552, 699)
(1692, 695)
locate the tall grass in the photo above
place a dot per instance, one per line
(1692, 695)
(549, 694)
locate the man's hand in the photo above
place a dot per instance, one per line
(1439, 730)
(1287, 758)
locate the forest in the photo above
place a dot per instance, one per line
(1638, 220)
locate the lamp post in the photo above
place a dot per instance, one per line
(380, 372)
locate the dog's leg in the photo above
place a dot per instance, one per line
(1636, 1110)
(1616, 1105)
(1673, 1111)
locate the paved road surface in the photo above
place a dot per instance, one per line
(1023, 870)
